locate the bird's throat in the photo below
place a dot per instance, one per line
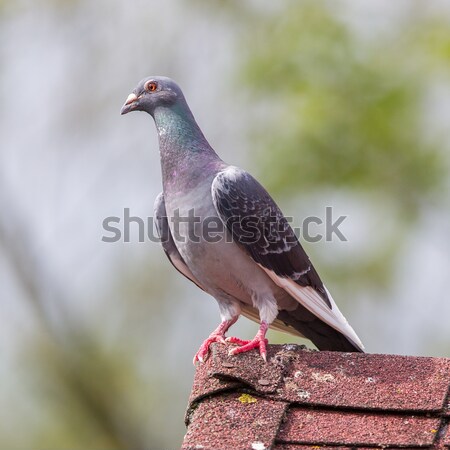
(182, 145)
(178, 131)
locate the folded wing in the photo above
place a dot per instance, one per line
(258, 226)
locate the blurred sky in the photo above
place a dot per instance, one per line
(68, 160)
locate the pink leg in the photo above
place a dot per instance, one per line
(218, 335)
(259, 341)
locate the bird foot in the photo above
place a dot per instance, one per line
(259, 341)
(244, 346)
(218, 335)
(203, 351)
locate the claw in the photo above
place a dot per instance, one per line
(197, 358)
(259, 342)
(263, 355)
(218, 335)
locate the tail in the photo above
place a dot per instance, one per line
(321, 334)
(319, 315)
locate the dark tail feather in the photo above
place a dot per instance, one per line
(321, 334)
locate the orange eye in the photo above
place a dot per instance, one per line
(151, 86)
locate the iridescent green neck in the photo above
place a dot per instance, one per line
(184, 150)
(178, 131)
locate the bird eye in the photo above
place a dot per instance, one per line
(150, 86)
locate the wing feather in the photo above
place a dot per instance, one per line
(258, 225)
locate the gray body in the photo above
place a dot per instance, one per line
(222, 268)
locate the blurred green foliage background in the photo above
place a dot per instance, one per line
(328, 103)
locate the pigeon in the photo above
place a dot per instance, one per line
(221, 229)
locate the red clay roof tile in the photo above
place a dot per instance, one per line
(353, 380)
(363, 381)
(234, 422)
(306, 426)
(307, 447)
(249, 368)
(340, 400)
(325, 447)
(205, 384)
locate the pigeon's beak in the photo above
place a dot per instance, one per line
(130, 104)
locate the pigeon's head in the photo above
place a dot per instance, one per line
(150, 93)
